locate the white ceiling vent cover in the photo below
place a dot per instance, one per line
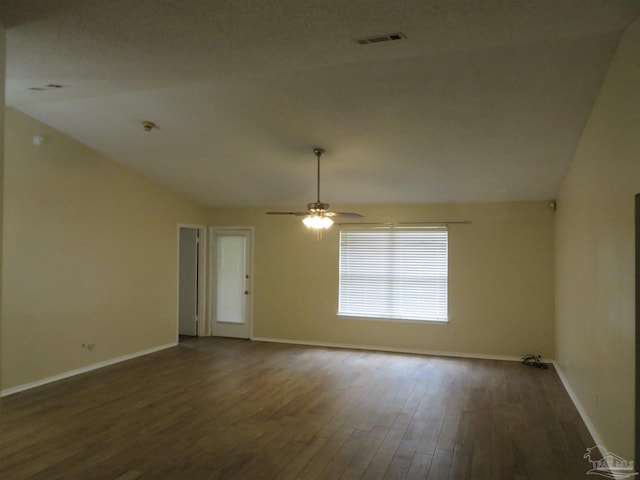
(387, 37)
(48, 86)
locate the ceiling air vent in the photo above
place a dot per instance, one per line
(381, 38)
(48, 86)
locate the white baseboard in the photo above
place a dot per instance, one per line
(581, 410)
(378, 348)
(597, 439)
(78, 371)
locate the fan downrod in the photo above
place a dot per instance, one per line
(318, 151)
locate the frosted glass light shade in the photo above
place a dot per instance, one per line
(317, 222)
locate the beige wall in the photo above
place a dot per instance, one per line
(90, 252)
(501, 281)
(595, 326)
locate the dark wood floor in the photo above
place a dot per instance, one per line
(234, 409)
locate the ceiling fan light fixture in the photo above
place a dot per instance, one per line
(317, 216)
(317, 222)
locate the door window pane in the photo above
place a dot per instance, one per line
(230, 301)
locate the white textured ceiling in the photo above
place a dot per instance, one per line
(483, 100)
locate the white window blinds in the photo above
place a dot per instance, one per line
(399, 274)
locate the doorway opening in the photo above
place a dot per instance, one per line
(191, 281)
(637, 435)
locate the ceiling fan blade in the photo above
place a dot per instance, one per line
(344, 214)
(299, 214)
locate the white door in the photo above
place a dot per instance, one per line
(231, 285)
(188, 282)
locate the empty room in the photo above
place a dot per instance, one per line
(319, 239)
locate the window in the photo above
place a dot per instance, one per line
(394, 273)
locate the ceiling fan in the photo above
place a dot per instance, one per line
(318, 215)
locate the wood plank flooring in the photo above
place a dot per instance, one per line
(235, 409)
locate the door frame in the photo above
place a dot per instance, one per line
(202, 278)
(212, 275)
(637, 342)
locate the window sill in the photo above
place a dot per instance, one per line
(393, 320)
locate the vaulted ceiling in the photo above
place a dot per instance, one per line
(480, 101)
